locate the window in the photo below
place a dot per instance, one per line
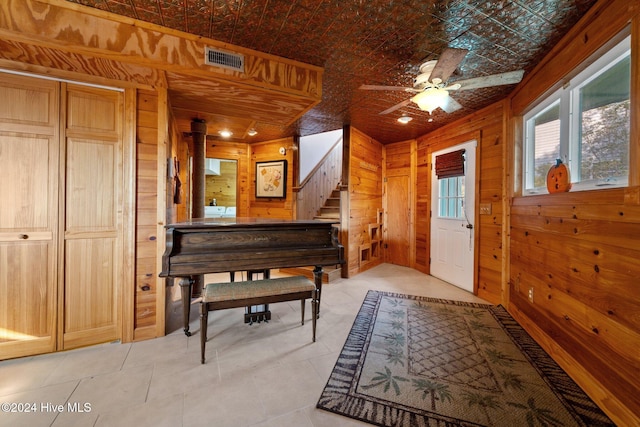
(585, 124)
(451, 197)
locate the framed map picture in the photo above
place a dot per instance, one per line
(271, 179)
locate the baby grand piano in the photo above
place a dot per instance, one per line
(216, 245)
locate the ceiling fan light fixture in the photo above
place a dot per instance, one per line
(404, 119)
(430, 99)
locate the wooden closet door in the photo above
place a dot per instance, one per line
(398, 221)
(93, 225)
(29, 161)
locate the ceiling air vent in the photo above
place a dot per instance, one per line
(219, 58)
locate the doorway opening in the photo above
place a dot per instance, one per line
(221, 188)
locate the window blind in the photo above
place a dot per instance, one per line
(450, 164)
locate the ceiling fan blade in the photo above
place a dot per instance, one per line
(509, 78)
(447, 63)
(451, 105)
(395, 107)
(454, 86)
(396, 88)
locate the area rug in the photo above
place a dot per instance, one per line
(416, 361)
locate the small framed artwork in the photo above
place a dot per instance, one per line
(271, 179)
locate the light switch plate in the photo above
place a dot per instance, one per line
(485, 208)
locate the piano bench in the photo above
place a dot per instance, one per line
(219, 296)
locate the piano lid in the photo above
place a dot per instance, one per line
(213, 245)
(242, 221)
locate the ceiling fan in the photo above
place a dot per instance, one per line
(431, 86)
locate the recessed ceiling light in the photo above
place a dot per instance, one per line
(225, 133)
(405, 119)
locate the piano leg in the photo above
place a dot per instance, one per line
(204, 318)
(317, 276)
(186, 286)
(315, 311)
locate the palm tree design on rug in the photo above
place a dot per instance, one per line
(397, 324)
(386, 379)
(477, 325)
(499, 358)
(396, 302)
(484, 401)
(395, 339)
(478, 314)
(537, 416)
(398, 313)
(437, 391)
(511, 380)
(440, 362)
(486, 339)
(396, 356)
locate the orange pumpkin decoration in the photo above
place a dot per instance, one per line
(558, 178)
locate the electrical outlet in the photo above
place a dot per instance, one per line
(485, 208)
(530, 294)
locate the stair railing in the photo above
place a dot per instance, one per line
(325, 177)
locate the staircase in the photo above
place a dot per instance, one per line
(329, 212)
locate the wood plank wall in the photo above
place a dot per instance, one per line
(579, 251)
(487, 128)
(272, 207)
(146, 214)
(365, 197)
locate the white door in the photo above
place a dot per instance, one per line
(452, 221)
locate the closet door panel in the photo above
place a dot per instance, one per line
(91, 293)
(29, 163)
(93, 216)
(91, 186)
(27, 305)
(25, 190)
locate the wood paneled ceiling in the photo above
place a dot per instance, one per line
(381, 42)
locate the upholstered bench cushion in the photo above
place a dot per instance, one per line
(217, 296)
(231, 291)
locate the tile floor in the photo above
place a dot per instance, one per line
(263, 375)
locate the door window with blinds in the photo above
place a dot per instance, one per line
(450, 173)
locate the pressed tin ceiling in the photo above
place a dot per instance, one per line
(379, 42)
